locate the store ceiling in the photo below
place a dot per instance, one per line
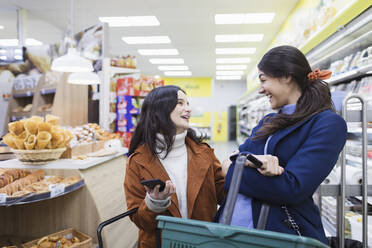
(189, 24)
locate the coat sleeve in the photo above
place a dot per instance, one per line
(305, 171)
(135, 195)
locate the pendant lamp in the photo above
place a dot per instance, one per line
(83, 78)
(72, 61)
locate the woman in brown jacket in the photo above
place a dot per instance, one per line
(164, 147)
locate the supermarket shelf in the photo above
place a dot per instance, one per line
(358, 160)
(48, 91)
(356, 116)
(350, 75)
(340, 20)
(121, 70)
(350, 190)
(23, 93)
(330, 229)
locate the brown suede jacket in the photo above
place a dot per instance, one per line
(205, 187)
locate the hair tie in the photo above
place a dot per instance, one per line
(319, 74)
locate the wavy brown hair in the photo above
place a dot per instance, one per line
(155, 118)
(288, 61)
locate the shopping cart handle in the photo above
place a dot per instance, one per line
(109, 221)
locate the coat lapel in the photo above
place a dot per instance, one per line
(198, 165)
(281, 134)
(156, 170)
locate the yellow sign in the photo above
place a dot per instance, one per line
(194, 87)
(220, 126)
(203, 120)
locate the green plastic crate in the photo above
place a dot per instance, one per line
(186, 233)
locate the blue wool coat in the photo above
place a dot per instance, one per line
(308, 151)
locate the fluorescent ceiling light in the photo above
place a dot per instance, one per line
(231, 67)
(14, 42)
(146, 40)
(72, 62)
(84, 78)
(229, 73)
(177, 73)
(249, 18)
(166, 61)
(173, 68)
(243, 50)
(147, 52)
(238, 37)
(130, 21)
(232, 60)
(228, 77)
(1, 27)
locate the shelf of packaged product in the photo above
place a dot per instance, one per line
(356, 133)
(350, 75)
(122, 70)
(356, 116)
(350, 190)
(47, 91)
(353, 9)
(23, 93)
(329, 228)
(358, 160)
(244, 130)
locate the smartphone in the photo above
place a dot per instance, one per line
(153, 182)
(254, 160)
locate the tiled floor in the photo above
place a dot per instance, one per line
(223, 149)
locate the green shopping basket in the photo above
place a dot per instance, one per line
(187, 233)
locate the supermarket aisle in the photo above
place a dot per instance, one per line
(223, 149)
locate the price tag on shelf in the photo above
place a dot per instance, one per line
(56, 189)
(3, 198)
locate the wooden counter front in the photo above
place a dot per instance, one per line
(101, 198)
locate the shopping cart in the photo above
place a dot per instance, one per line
(187, 233)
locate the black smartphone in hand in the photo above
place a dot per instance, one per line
(254, 160)
(151, 183)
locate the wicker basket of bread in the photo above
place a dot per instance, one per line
(35, 141)
(67, 238)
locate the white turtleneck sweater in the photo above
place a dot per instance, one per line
(176, 166)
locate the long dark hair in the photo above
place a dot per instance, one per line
(285, 61)
(155, 118)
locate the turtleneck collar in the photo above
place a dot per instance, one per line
(178, 145)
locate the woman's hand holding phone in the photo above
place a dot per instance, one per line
(169, 190)
(270, 165)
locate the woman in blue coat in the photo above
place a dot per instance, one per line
(305, 138)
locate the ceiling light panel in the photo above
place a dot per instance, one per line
(14, 42)
(231, 67)
(249, 18)
(243, 50)
(146, 40)
(1, 27)
(166, 61)
(229, 73)
(130, 21)
(238, 38)
(177, 73)
(173, 68)
(147, 52)
(232, 60)
(228, 77)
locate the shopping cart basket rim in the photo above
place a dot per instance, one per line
(224, 231)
